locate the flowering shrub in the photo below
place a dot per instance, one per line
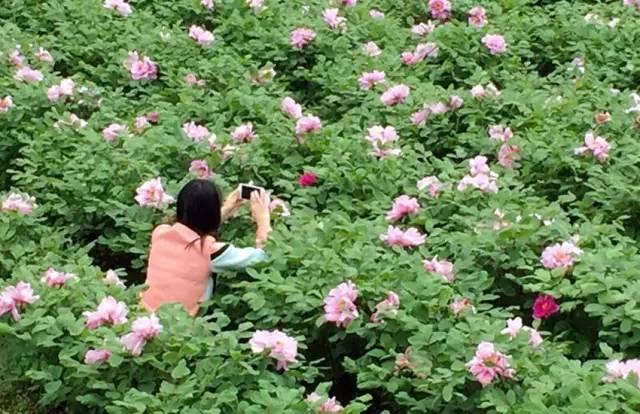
(453, 192)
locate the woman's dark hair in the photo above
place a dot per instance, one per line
(198, 208)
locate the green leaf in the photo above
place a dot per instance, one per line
(181, 370)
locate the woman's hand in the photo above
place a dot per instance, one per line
(232, 203)
(260, 211)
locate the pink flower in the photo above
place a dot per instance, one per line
(495, 43)
(621, 369)
(480, 92)
(431, 184)
(369, 79)
(208, 4)
(478, 165)
(477, 17)
(460, 305)
(382, 139)
(455, 102)
(43, 56)
(302, 37)
(280, 206)
(119, 6)
(201, 35)
(388, 306)
(256, 5)
(333, 20)
(395, 95)
(26, 74)
(141, 123)
(143, 329)
(14, 298)
(6, 103)
(376, 14)
(54, 278)
(291, 108)
(419, 118)
(598, 146)
(560, 255)
(349, 3)
(281, 347)
(403, 206)
(307, 124)
(17, 202)
(489, 364)
(114, 131)
(371, 49)
(440, 9)
(444, 268)
(423, 29)
(111, 279)
(500, 133)
(330, 405)
(16, 58)
(140, 69)
(200, 168)
(109, 312)
(151, 194)
(437, 108)
(544, 306)
(409, 238)
(423, 50)
(487, 183)
(65, 88)
(96, 356)
(339, 305)
(153, 117)
(192, 80)
(244, 133)
(194, 131)
(513, 327)
(307, 179)
(602, 117)
(535, 339)
(508, 155)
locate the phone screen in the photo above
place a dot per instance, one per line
(246, 190)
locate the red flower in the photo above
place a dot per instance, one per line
(544, 306)
(307, 179)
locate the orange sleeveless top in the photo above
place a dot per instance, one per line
(177, 274)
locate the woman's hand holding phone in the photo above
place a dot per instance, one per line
(231, 204)
(260, 211)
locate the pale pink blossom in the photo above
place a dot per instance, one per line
(535, 339)
(598, 146)
(423, 29)
(15, 298)
(339, 305)
(53, 278)
(201, 35)
(371, 49)
(194, 131)
(370, 79)
(192, 80)
(200, 168)
(349, 3)
(16, 58)
(403, 206)
(141, 123)
(43, 55)
(26, 74)
(477, 17)
(395, 95)
(455, 102)
(478, 165)
(151, 194)
(487, 183)
(208, 4)
(388, 306)
(488, 364)
(256, 5)
(460, 305)
(77, 122)
(279, 206)
(96, 356)
(382, 140)
(440, 9)
(422, 51)
(617, 369)
(108, 312)
(419, 118)
(111, 279)
(376, 14)
(495, 43)
(113, 131)
(508, 155)
(333, 20)
(307, 124)
(63, 89)
(140, 68)
(291, 108)
(301, 37)
(431, 184)
(120, 6)
(500, 133)
(579, 64)
(636, 102)
(280, 346)
(480, 92)
(443, 268)
(244, 133)
(513, 327)
(143, 329)
(329, 405)
(560, 255)
(409, 238)
(6, 103)
(23, 204)
(437, 108)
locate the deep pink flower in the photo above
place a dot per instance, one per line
(17, 202)
(395, 95)
(545, 306)
(291, 108)
(431, 184)
(140, 68)
(108, 312)
(113, 131)
(369, 79)
(26, 74)
(194, 131)
(477, 17)
(151, 194)
(200, 168)
(409, 238)
(244, 133)
(444, 268)
(307, 179)
(508, 155)
(423, 29)
(120, 6)
(54, 278)
(333, 20)
(440, 9)
(111, 279)
(307, 124)
(489, 364)
(495, 43)
(560, 255)
(339, 305)
(388, 306)
(6, 103)
(301, 37)
(281, 347)
(43, 55)
(143, 329)
(371, 49)
(403, 206)
(500, 133)
(598, 146)
(96, 356)
(201, 35)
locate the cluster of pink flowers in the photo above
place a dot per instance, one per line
(192, 80)
(395, 95)
(201, 35)
(23, 204)
(332, 18)
(598, 146)
(196, 132)
(560, 255)
(460, 305)
(278, 206)
(53, 278)
(6, 103)
(440, 9)
(500, 133)
(423, 51)
(305, 123)
(488, 364)
(545, 306)
(151, 194)
(143, 330)
(514, 326)
(369, 79)
(617, 369)
(120, 6)
(109, 312)
(96, 356)
(244, 133)
(26, 74)
(432, 184)
(371, 49)
(382, 140)
(113, 131)
(200, 169)
(15, 298)
(111, 279)
(329, 405)
(423, 29)
(495, 43)
(480, 92)
(280, 346)
(307, 179)
(508, 155)
(301, 37)
(420, 117)
(63, 89)
(388, 306)
(408, 238)
(340, 306)
(140, 68)
(477, 17)
(444, 268)
(480, 176)
(403, 206)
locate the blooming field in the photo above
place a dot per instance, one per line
(455, 204)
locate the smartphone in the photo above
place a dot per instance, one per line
(246, 190)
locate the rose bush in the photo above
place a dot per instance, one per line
(446, 168)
